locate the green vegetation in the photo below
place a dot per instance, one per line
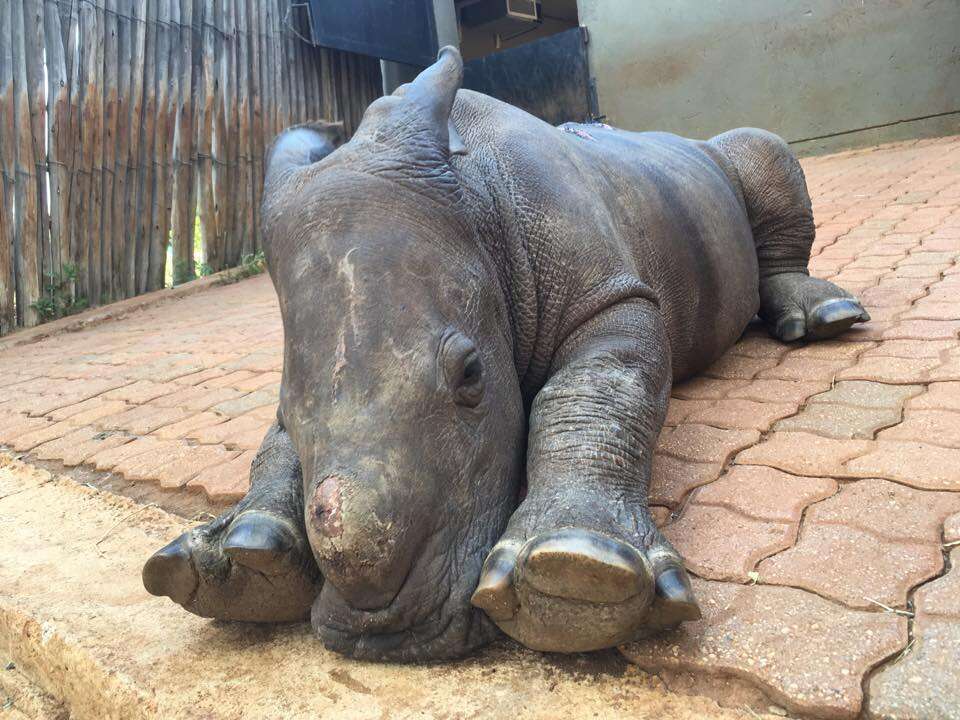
(250, 264)
(58, 300)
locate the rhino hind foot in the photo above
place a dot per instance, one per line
(250, 566)
(796, 306)
(576, 590)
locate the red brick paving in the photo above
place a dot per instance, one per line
(803, 483)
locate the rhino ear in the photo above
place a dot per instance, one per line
(432, 94)
(301, 145)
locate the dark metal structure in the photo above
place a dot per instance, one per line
(549, 77)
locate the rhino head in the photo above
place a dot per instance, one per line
(399, 391)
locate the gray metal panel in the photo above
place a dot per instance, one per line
(404, 31)
(548, 77)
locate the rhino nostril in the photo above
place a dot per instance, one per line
(324, 510)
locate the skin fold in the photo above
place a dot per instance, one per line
(483, 318)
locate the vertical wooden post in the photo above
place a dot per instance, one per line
(58, 138)
(244, 201)
(183, 205)
(269, 70)
(25, 239)
(111, 100)
(8, 168)
(95, 216)
(33, 18)
(169, 148)
(152, 271)
(218, 254)
(69, 15)
(205, 123)
(230, 152)
(256, 121)
(147, 150)
(118, 203)
(279, 72)
(132, 203)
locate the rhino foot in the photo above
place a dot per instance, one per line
(796, 306)
(249, 566)
(576, 589)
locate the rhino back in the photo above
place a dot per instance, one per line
(598, 211)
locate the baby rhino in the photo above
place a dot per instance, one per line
(483, 316)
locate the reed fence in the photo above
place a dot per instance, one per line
(128, 127)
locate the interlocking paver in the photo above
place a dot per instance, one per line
(738, 367)
(222, 482)
(941, 596)
(810, 655)
(804, 454)
(180, 470)
(922, 465)
(108, 458)
(890, 369)
(951, 529)
(86, 411)
(672, 478)
(939, 396)
(864, 394)
(679, 409)
(702, 443)
(923, 330)
(721, 544)
(705, 388)
(779, 391)
(744, 414)
(188, 425)
(142, 419)
(80, 445)
(923, 684)
(806, 369)
(938, 427)
(852, 566)
(840, 421)
(896, 512)
(765, 493)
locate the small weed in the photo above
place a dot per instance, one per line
(183, 274)
(58, 300)
(250, 264)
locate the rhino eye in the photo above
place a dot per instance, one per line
(463, 370)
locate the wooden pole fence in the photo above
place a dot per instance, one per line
(132, 135)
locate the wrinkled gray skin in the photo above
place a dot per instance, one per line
(464, 328)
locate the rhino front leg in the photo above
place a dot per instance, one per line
(253, 562)
(581, 565)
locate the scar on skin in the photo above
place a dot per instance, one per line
(325, 508)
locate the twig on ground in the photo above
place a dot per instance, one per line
(905, 613)
(121, 520)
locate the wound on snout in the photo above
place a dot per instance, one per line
(324, 510)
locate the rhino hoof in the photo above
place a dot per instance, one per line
(798, 306)
(169, 572)
(573, 590)
(249, 567)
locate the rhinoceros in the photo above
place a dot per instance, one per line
(483, 315)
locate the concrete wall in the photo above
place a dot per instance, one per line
(822, 73)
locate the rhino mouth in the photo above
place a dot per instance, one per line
(450, 630)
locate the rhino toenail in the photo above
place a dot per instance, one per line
(169, 572)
